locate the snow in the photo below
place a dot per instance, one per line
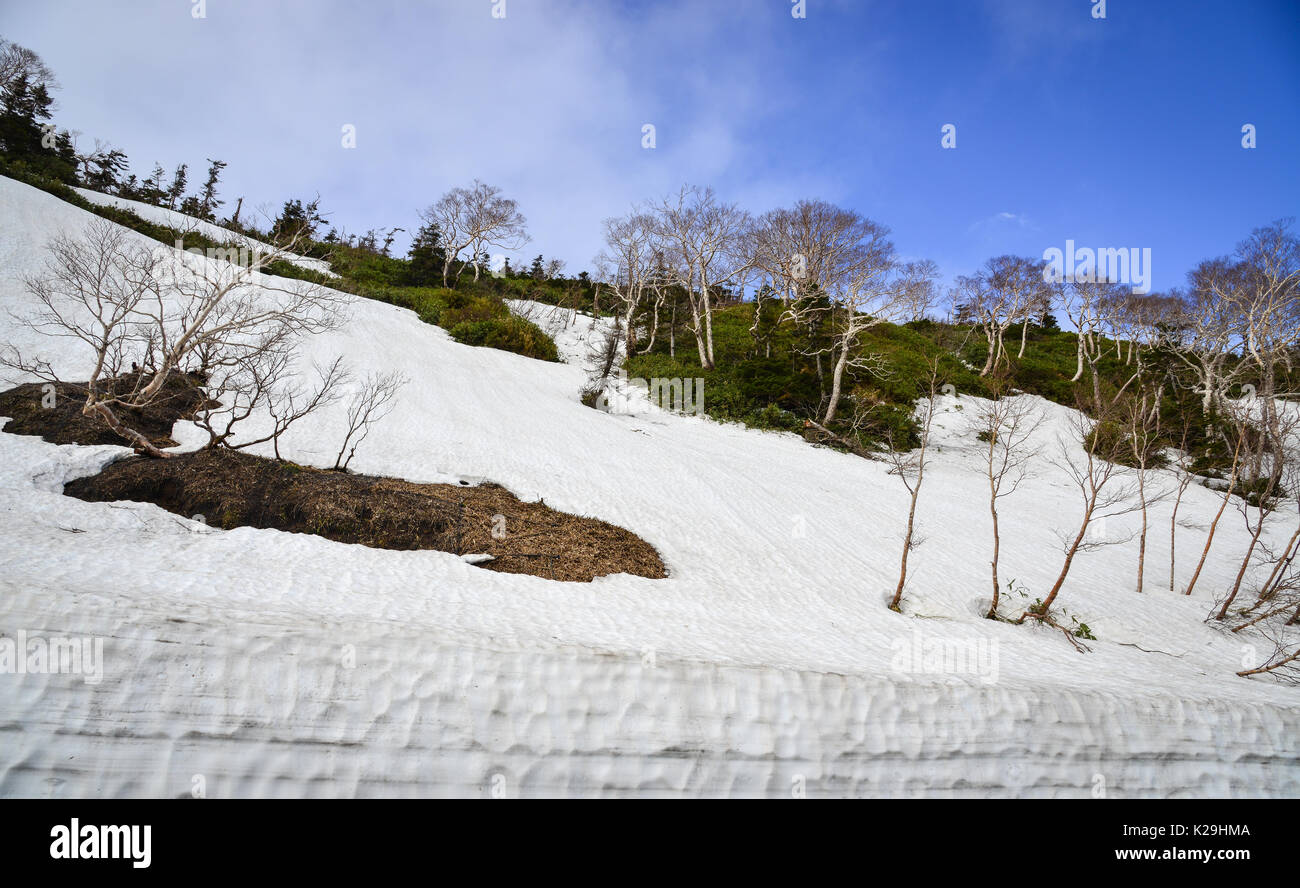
(182, 222)
(255, 662)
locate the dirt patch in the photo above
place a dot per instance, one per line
(62, 422)
(241, 490)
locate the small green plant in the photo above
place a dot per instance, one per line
(1081, 629)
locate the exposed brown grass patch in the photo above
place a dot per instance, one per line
(64, 423)
(241, 490)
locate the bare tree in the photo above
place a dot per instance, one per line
(1262, 282)
(1285, 656)
(1141, 426)
(817, 249)
(262, 378)
(626, 267)
(909, 466)
(1204, 336)
(473, 219)
(604, 351)
(813, 245)
(371, 403)
(1265, 495)
(704, 242)
(168, 310)
(1005, 292)
(1007, 422)
(1087, 304)
(1284, 559)
(1184, 477)
(1279, 599)
(1242, 434)
(19, 61)
(876, 291)
(1091, 460)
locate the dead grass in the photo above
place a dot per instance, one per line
(64, 423)
(241, 490)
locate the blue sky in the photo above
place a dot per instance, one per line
(1115, 132)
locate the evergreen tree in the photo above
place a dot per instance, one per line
(177, 189)
(191, 206)
(25, 136)
(389, 238)
(537, 271)
(208, 202)
(297, 220)
(426, 256)
(151, 190)
(102, 169)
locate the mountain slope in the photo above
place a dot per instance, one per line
(280, 664)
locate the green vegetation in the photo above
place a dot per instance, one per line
(475, 313)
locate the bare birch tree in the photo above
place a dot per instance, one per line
(878, 291)
(473, 219)
(705, 244)
(1265, 494)
(168, 311)
(1182, 466)
(1007, 422)
(1141, 426)
(1241, 436)
(1006, 291)
(627, 266)
(909, 467)
(1091, 461)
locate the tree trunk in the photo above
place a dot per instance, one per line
(1288, 555)
(708, 326)
(1142, 540)
(997, 546)
(1173, 531)
(988, 362)
(837, 378)
(697, 327)
(1245, 565)
(1232, 482)
(672, 331)
(895, 604)
(138, 441)
(1069, 559)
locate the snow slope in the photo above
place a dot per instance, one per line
(181, 222)
(256, 662)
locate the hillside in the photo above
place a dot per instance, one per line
(287, 664)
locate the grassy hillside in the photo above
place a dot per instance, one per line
(769, 372)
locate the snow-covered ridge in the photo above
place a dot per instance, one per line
(182, 222)
(280, 664)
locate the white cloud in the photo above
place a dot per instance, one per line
(547, 103)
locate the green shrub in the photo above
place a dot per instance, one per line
(512, 334)
(460, 310)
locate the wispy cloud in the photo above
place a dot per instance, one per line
(1002, 222)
